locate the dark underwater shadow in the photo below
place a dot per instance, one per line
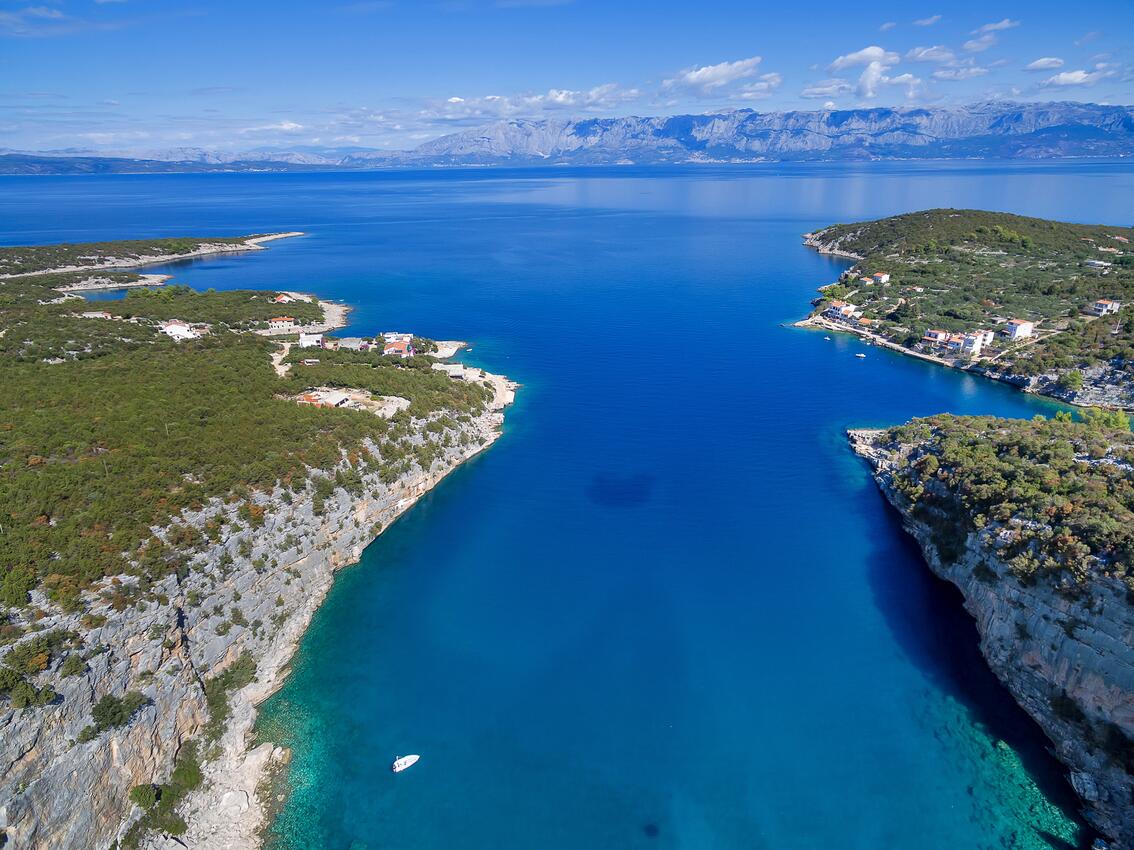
(927, 618)
(620, 491)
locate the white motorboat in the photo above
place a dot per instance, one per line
(403, 762)
(860, 355)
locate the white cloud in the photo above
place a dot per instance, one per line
(937, 53)
(1067, 79)
(874, 75)
(886, 27)
(927, 22)
(830, 104)
(1046, 63)
(759, 89)
(278, 127)
(866, 56)
(959, 72)
(827, 88)
(996, 26)
(457, 109)
(705, 79)
(980, 43)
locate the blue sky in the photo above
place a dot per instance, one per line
(137, 75)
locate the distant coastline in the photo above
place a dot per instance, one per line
(987, 130)
(206, 249)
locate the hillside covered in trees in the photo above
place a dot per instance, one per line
(111, 429)
(925, 280)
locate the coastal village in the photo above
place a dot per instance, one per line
(313, 338)
(966, 347)
(1046, 307)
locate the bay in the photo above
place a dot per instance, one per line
(668, 608)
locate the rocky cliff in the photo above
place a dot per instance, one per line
(253, 590)
(1067, 658)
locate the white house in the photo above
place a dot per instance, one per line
(310, 340)
(1104, 307)
(283, 298)
(398, 348)
(281, 323)
(936, 337)
(840, 310)
(178, 330)
(394, 336)
(881, 277)
(1019, 328)
(971, 344)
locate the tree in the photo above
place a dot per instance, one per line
(1072, 380)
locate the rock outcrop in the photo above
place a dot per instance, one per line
(1068, 659)
(254, 589)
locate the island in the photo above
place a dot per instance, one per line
(183, 473)
(1034, 522)
(1043, 305)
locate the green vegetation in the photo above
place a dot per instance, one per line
(962, 270)
(37, 258)
(161, 801)
(238, 308)
(414, 378)
(110, 712)
(111, 428)
(1060, 492)
(240, 673)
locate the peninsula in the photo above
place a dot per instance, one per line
(182, 474)
(1043, 305)
(1034, 522)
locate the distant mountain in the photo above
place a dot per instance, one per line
(995, 130)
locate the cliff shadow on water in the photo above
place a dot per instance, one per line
(928, 621)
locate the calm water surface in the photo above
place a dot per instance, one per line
(668, 609)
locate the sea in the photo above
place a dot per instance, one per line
(668, 608)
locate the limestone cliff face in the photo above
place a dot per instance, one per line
(1068, 661)
(255, 590)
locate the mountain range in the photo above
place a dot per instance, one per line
(992, 130)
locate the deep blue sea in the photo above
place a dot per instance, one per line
(668, 609)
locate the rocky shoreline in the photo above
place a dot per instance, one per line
(253, 590)
(1067, 660)
(254, 243)
(228, 813)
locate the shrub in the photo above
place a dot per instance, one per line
(111, 711)
(145, 796)
(238, 674)
(73, 665)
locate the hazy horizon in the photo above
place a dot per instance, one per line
(127, 76)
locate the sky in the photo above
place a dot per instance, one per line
(146, 75)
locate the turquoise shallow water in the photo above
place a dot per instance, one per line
(668, 609)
